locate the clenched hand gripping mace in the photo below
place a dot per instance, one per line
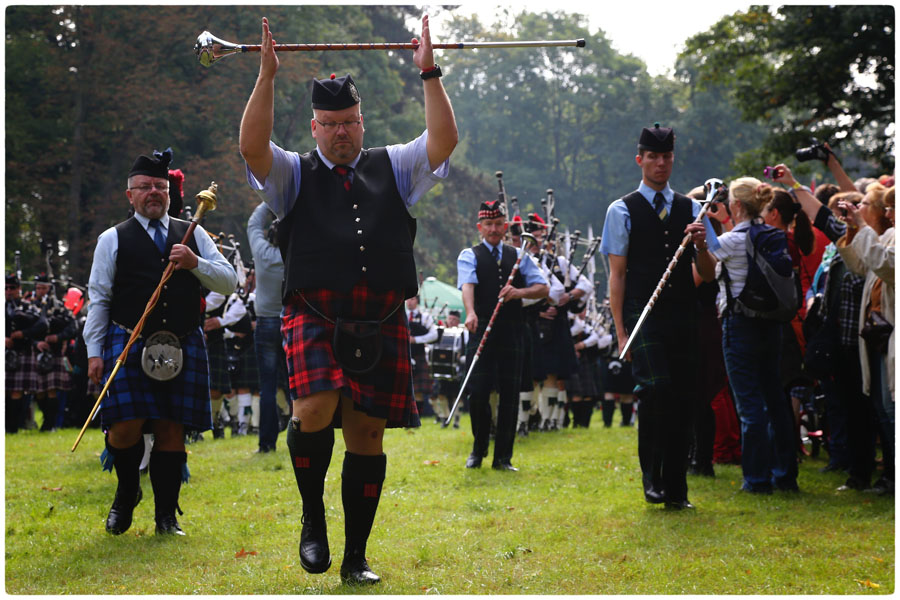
(527, 238)
(209, 48)
(206, 202)
(713, 188)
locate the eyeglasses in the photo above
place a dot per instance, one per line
(332, 125)
(162, 187)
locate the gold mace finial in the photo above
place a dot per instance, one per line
(206, 200)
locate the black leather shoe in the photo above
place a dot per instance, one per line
(473, 462)
(168, 525)
(355, 570)
(503, 466)
(314, 554)
(121, 513)
(680, 505)
(654, 497)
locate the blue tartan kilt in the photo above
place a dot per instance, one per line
(133, 395)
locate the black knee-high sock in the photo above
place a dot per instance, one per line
(310, 456)
(627, 412)
(361, 481)
(609, 411)
(166, 469)
(127, 462)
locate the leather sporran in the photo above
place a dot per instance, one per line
(877, 331)
(357, 345)
(13, 360)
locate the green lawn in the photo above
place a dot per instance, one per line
(571, 521)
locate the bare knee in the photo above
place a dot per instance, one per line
(316, 411)
(168, 436)
(125, 434)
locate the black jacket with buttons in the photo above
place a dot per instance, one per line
(139, 269)
(333, 237)
(652, 244)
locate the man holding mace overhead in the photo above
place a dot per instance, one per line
(129, 262)
(347, 240)
(641, 233)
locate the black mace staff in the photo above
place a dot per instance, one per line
(527, 238)
(210, 49)
(713, 188)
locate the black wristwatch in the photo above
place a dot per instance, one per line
(434, 72)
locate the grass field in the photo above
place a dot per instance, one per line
(572, 521)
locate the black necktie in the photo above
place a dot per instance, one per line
(158, 238)
(495, 252)
(345, 174)
(659, 204)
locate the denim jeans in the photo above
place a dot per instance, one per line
(272, 364)
(752, 349)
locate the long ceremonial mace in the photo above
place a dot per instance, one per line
(713, 188)
(209, 48)
(527, 238)
(206, 201)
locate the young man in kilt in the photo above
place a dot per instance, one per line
(346, 237)
(129, 261)
(482, 275)
(641, 233)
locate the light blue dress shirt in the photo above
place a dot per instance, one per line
(212, 270)
(465, 267)
(412, 173)
(617, 226)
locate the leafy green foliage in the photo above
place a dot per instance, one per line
(803, 71)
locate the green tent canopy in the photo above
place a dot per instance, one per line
(444, 292)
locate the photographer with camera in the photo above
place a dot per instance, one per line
(868, 250)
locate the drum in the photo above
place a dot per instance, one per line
(446, 352)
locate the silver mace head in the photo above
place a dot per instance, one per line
(209, 48)
(528, 238)
(713, 186)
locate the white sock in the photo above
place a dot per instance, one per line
(254, 406)
(244, 406)
(525, 400)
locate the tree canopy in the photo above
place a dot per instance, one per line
(88, 88)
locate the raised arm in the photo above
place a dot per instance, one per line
(837, 171)
(439, 120)
(259, 114)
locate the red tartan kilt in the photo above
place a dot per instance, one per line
(386, 392)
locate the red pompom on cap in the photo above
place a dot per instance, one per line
(333, 76)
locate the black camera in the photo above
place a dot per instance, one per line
(817, 151)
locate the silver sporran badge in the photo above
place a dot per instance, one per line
(162, 358)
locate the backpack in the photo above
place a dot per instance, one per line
(772, 290)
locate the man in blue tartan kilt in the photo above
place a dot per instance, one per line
(347, 240)
(482, 273)
(641, 233)
(129, 261)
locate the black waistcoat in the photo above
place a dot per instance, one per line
(416, 325)
(651, 245)
(491, 279)
(332, 237)
(139, 269)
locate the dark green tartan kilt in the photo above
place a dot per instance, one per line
(219, 378)
(664, 354)
(247, 374)
(528, 342)
(500, 361)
